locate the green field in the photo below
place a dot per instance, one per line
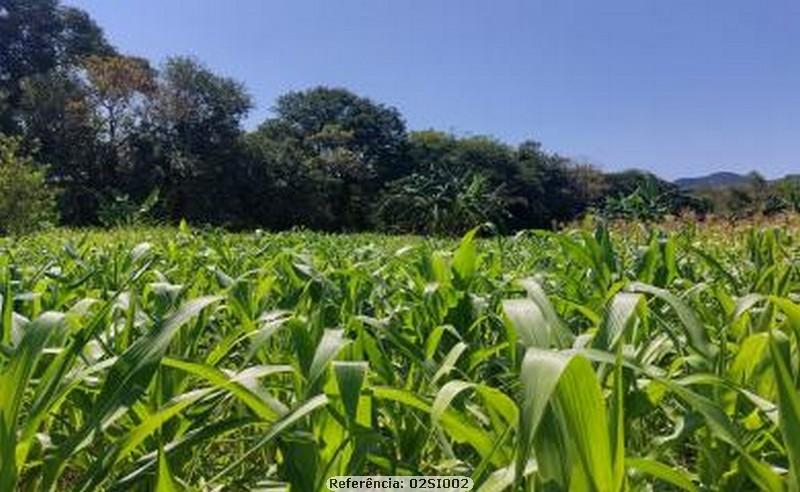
(181, 359)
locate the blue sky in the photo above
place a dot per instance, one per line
(679, 87)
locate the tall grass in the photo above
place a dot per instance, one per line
(176, 359)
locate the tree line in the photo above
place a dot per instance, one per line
(92, 136)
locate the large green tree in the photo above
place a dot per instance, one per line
(551, 189)
(83, 120)
(36, 37)
(347, 145)
(44, 96)
(479, 153)
(328, 120)
(193, 132)
(60, 122)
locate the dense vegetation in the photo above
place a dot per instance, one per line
(166, 359)
(120, 141)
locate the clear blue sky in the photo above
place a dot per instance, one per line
(679, 87)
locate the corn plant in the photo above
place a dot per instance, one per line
(583, 360)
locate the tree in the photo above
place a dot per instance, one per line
(26, 202)
(531, 187)
(475, 153)
(624, 183)
(117, 86)
(37, 36)
(590, 183)
(349, 144)
(82, 119)
(759, 189)
(549, 188)
(43, 96)
(372, 132)
(789, 190)
(282, 189)
(194, 130)
(60, 122)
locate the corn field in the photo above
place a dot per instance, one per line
(585, 360)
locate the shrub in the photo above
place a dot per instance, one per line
(26, 201)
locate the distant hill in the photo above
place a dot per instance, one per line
(723, 180)
(714, 180)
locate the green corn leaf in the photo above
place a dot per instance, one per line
(350, 377)
(695, 331)
(567, 381)
(165, 482)
(127, 380)
(287, 421)
(331, 343)
(15, 377)
(668, 474)
(788, 408)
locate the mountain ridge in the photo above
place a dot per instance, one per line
(722, 179)
(714, 180)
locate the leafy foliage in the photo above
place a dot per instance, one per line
(441, 202)
(38, 36)
(26, 202)
(341, 146)
(644, 204)
(756, 197)
(121, 211)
